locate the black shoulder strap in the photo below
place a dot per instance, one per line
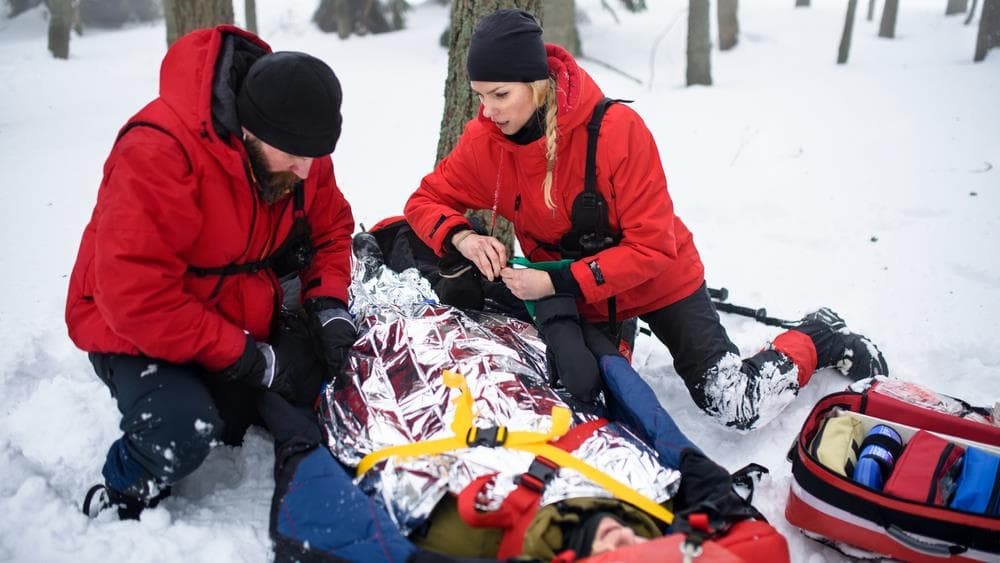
(593, 131)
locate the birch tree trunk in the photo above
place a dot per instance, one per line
(60, 24)
(185, 16)
(989, 29)
(845, 39)
(459, 104)
(729, 24)
(560, 25)
(887, 28)
(699, 44)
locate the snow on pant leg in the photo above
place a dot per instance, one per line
(317, 512)
(168, 422)
(741, 393)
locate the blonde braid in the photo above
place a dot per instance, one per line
(544, 92)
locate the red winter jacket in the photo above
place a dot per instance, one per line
(175, 194)
(654, 265)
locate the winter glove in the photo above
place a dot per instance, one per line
(287, 367)
(334, 330)
(460, 283)
(707, 487)
(570, 361)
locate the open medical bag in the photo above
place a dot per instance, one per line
(935, 498)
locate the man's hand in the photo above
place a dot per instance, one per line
(288, 368)
(528, 284)
(334, 330)
(486, 252)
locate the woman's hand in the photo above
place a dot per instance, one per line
(487, 253)
(527, 283)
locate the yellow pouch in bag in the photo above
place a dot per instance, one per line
(837, 443)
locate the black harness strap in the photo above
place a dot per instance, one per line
(591, 231)
(300, 229)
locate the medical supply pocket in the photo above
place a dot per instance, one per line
(927, 504)
(977, 488)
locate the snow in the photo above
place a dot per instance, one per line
(871, 187)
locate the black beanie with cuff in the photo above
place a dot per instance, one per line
(291, 101)
(507, 46)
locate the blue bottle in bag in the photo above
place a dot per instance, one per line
(879, 451)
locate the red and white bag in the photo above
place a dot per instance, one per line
(909, 518)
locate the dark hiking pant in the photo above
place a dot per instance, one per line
(741, 393)
(171, 416)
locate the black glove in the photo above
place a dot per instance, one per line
(460, 284)
(707, 487)
(288, 366)
(334, 330)
(569, 358)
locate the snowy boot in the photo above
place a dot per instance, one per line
(102, 497)
(854, 355)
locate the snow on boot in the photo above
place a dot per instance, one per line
(854, 355)
(101, 497)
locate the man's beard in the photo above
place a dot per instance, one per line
(274, 186)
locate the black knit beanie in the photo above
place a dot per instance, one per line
(291, 101)
(507, 46)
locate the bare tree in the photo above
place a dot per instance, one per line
(250, 11)
(956, 7)
(871, 10)
(185, 16)
(699, 44)
(61, 16)
(845, 39)
(989, 29)
(729, 24)
(560, 25)
(459, 104)
(359, 17)
(887, 28)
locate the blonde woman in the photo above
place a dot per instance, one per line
(524, 156)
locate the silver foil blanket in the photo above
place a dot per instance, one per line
(393, 393)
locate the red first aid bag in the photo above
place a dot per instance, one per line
(915, 515)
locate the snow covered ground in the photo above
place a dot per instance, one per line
(873, 188)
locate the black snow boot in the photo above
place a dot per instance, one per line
(102, 497)
(854, 355)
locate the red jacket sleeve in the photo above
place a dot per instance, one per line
(149, 217)
(456, 185)
(645, 210)
(332, 223)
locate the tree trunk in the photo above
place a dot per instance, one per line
(459, 104)
(729, 24)
(956, 7)
(60, 24)
(871, 10)
(888, 26)
(989, 29)
(560, 25)
(699, 44)
(801, 3)
(845, 39)
(250, 9)
(189, 15)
